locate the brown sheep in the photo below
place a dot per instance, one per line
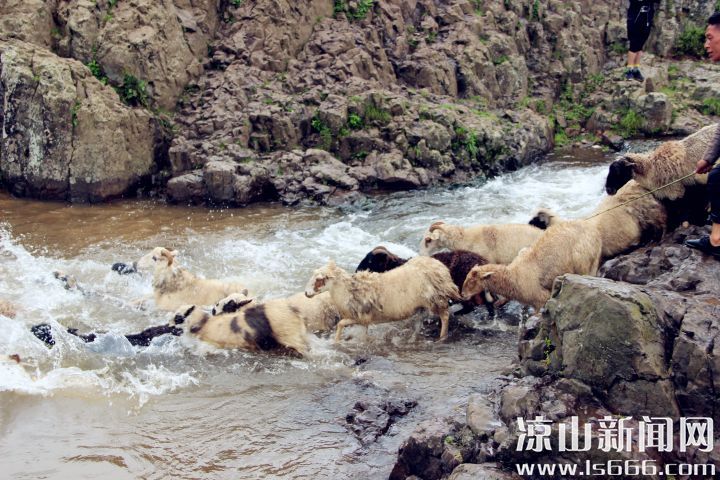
(567, 247)
(495, 243)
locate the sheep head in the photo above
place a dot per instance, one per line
(622, 171)
(478, 281)
(232, 303)
(190, 318)
(321, 279)
(543, 219)
(158, 256)
(379, 260)
(434, 238)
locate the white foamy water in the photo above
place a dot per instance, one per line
(284, 415)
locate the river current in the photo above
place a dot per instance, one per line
(182, 409)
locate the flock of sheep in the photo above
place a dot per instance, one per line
(486, 264)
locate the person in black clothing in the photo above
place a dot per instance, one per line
(639, 23)
(711, 244)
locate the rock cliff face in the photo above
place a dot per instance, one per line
(271, 99)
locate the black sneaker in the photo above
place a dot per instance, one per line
(703, 244)
(628, 75)
(637, 75)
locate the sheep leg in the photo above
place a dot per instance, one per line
(341, 325)
(444, 322)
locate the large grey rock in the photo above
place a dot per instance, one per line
(66, 135)
(484, 471)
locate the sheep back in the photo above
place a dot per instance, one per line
(499, 243)
(459, 263)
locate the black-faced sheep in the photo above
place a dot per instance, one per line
(458, 262)
(260, 327)
(366, 298)
(668, 162)
(318, 313)
(567, 247)
(495, 243)
(173, 287)
(624, 226)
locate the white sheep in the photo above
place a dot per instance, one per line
(623, 227)
(261, 327)
(567, 247)
(173, 287)
(318, 313)
(495, 243)
(366, 298)
(668, 162)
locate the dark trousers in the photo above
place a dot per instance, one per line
(713, 187)
(639, 23)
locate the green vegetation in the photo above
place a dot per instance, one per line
(97, 71)
(479, 6)
(710, 106)
(500, 60)
(431, 37)
(357, 13)
(630, 124)
(355, 122)
(547, 350)
(466, 140)
(574, 113)
(618, 48)
(322, 128)
(133, 91)
(236, 3)
(73, 113)
(375, 114)
(535, 15)
(691, 41)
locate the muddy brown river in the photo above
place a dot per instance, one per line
(182, 409)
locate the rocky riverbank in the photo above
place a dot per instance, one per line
(234, 102)
(639, 341)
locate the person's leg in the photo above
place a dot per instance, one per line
(713, 187)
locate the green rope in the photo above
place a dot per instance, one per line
(643, 195)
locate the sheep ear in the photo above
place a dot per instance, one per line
(487, 274)
(638, 168)
(189, 311)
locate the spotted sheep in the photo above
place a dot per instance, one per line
(623, 227)
(173, 287)
(367, 298)
(261, 327)
(495, 243)
(317, 313)
(567, 247)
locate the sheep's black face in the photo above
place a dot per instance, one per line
(620, 172)
(540, 220)
(379, 261)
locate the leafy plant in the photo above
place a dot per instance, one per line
(630, 124)
(133, 91)
(710, 106)
(326, 135)
(500, 60)
(375, 114)
(73, 113)
(358, 13)
(479, 6)
(535, 11)
(431, 37)
(355, 122)
(618, 48)
(236, 3)
(691, 41)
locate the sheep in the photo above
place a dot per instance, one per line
(318, 313)
(365, 297)
(173, 287)
(7, 309)
(567, 247)
(623, 227)
(670, 161)
(262, 327)
(495, 243)
(458, 262)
